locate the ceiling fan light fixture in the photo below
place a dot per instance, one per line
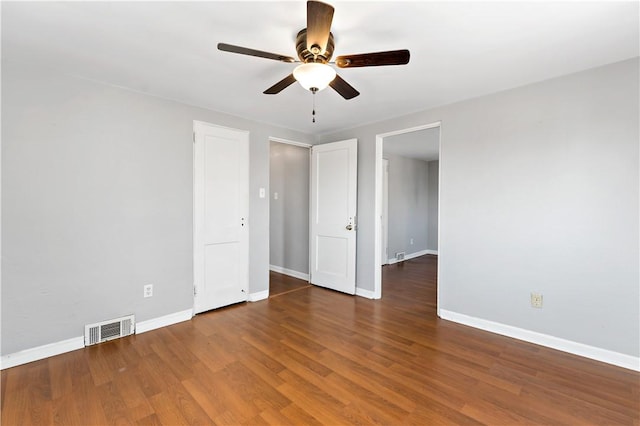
(314, 75)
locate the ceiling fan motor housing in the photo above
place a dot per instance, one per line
(306, 56)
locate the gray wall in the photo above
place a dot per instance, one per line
(289, 214)
(539, 192)
(408, 205)
(97, 187)
(432, 206)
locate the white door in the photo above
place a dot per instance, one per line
(221, 227)
(333, 215)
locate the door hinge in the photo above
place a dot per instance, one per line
(195, 291)
(194, 137)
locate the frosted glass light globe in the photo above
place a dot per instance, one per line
(314, 75)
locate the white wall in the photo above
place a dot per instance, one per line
(539, 192)
(289, 213)
(97, 200)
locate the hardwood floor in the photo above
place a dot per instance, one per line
(280, 284)
(314, 356)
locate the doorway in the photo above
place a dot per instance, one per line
(322, 180)
(408, 217)
(288, 215)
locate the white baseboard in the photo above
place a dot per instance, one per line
(290, 272)
(75, 343)
(261, 295)
(41, 352)
(164, 321)
(412, 255)
(365, 293)
(592, 352)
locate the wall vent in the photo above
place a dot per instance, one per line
(108, 330)
(400, 256)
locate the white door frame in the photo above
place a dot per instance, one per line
(377, 248)
(289, 142)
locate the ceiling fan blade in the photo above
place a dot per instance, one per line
(319, 17)
(393, 57)
(343, 88)
(281, 85)
(252, 52)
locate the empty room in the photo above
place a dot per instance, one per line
(299, 212)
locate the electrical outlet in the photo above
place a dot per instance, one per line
(411, 241)
(148, 290)
(536, 300)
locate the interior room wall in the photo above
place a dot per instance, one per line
(408, 205)
(97, 201)
(539, 192)
(289, 211)
(432, 206)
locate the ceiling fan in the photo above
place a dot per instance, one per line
(315, 46)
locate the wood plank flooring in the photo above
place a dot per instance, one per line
(281, 284)
(313, 356)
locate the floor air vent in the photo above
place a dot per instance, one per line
(108, 330)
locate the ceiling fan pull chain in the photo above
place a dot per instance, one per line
(313, 112)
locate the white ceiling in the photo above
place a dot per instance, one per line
(459, 50)
(421, 144)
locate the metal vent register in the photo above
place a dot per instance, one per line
(108, 330)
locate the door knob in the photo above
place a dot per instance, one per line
(349, 227)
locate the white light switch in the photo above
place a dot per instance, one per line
(275, 195)
(262, 193)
